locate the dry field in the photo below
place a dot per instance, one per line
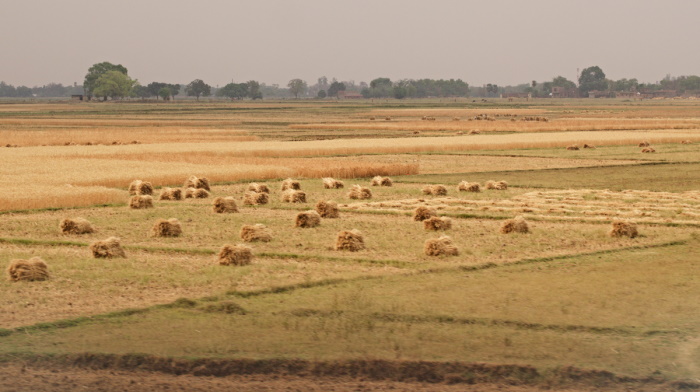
(563, 306)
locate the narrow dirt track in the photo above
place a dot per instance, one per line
(15, 377)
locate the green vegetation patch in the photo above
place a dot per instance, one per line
(631, 312)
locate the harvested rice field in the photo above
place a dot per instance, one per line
(594, 286)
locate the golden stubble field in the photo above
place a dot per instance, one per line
(565, 293)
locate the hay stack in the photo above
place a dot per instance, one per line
(257, 232)
(34, 269)
(196, 193)
(258, 188)
(197, 183)
(225, 204)
(501, 186)
(437, 190)
(290, 184)
(440, 246)
(359, 192)
(309, 218)
(327, 209)
(573, 148)
(255, 198)
(422, 213)
(648, 149)
(436, 223)
(331, 183)
(76, 226)
(350, 240)
(644, 144)
(517, 225)
(141, 201)
(623, 229)
(166, 228)
(497, 185)
(170, 194)
(108, 248)
(235, 255)
(465, 186)
(382, 181)
(138, 187)
(293, 196)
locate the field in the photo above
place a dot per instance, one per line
(564, 306)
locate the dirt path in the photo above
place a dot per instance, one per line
(14, 377)
(685, 357)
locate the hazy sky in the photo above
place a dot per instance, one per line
(487, 41)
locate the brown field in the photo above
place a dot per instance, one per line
(563, 307)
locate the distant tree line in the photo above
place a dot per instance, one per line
(50, 90)
(112, 81)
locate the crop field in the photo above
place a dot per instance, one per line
(560, 305)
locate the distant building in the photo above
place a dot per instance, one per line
(562, 92)
(77, 97)
(349, 95)
(599, 94)
(649, 94)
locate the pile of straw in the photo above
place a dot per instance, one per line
(440, 246)
(76, 226)
(138, 187)
(170, 194)
(359, 192)
(293, 196)
(350, 240)
(327, 209)
(166, 228)
(331, 183)
(108, 248)
(34, 269)
(255, 198)
(140, 201)
(309, 218)
(516, 225)
(224, 204)
(257, 232)
(235, 255)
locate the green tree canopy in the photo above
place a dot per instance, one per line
(321, 94)
(114, 84)
(592, 78)
(165, 93)
(335, 88)
(140, 91)
(254, 90)
(96, 71)
(296, 87)
(234, 91)
(197, 87)
(690, 83)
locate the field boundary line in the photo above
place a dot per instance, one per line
(395, 317)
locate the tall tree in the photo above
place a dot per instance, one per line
(140, 91)
(296, 87)
(165, 93)
(254, 90)
(113, 84)
(234, 91)
(96, 71)
(335, 88)
(197, 87)
(592, 78)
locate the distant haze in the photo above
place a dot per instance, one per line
(503, 42)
